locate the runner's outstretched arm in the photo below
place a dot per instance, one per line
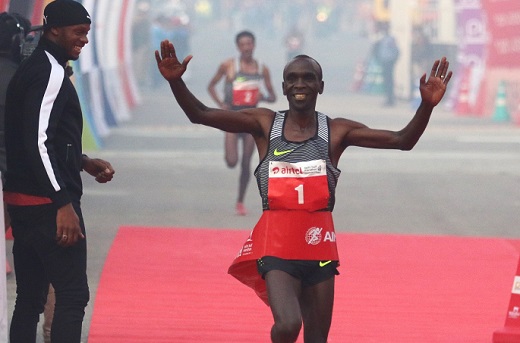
(432, 90)
(227, 120)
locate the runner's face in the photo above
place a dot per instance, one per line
(302, 83)
(246, 45)
(72, 39)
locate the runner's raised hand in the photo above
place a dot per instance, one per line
(167, 62)
(433, 89)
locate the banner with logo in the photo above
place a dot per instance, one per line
(471, 56)
(503, 19)
(503, 56)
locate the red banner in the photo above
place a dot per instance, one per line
(37, 14)
(504, 29)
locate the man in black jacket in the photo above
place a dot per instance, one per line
(43, 186)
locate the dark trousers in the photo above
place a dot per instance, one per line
(38, 261)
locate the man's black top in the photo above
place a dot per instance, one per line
(43, 128)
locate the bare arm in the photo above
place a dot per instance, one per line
(249, 120)
(221, 73)
(346, 132)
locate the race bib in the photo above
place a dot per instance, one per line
(246, 93)
(298, 186)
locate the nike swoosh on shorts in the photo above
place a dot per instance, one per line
(324, 263)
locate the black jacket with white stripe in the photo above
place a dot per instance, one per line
(43, 127)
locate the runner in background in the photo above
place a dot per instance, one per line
(242, 89)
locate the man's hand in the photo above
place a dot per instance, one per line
(68, 230)
(433, 90)
(100, 169)
(169, 66)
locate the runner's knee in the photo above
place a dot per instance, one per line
(286, 331)
(231, 161)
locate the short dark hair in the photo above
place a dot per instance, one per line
(244, 34)
(302, 56)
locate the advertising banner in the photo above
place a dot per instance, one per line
(503, 19)
(471, 56)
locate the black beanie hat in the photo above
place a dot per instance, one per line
(61, 13)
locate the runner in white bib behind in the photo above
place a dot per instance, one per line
(242, 89)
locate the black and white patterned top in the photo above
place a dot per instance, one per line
(315, 148)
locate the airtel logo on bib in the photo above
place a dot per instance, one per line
(287, 170)
(314, 236)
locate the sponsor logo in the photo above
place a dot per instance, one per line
(315, 236)
(298, 169)
(287, 171)
(283, 152)
(514, 313)
(324, 263)
(247, 249)
(330, 236)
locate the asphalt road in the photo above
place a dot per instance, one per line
(461, 179)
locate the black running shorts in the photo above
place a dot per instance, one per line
(309, 272)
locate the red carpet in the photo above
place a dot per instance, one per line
(171, 285)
